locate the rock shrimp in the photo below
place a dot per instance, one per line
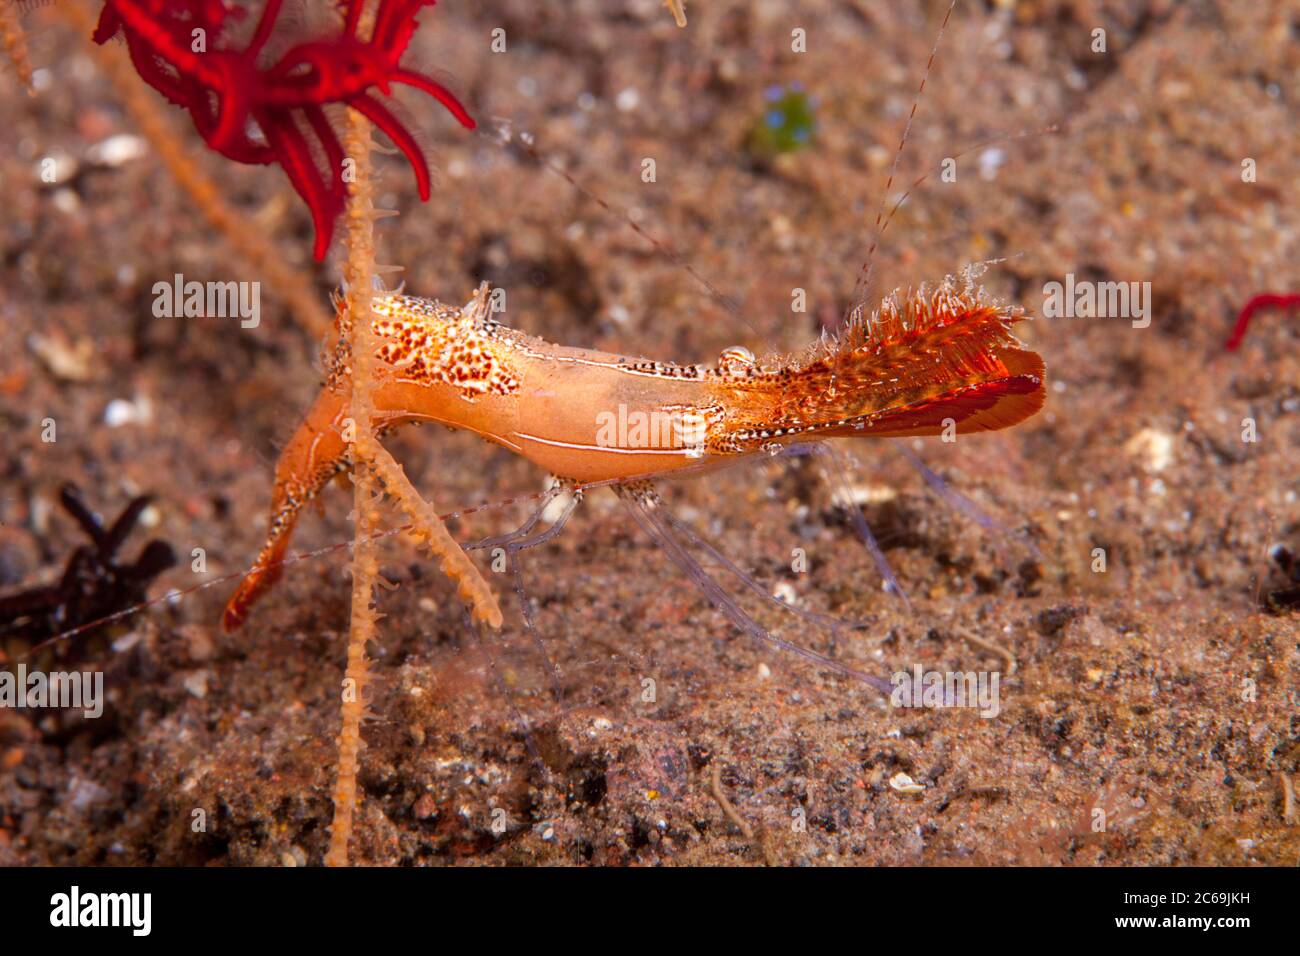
(926, 362)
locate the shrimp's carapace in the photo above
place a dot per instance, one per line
(926, 362)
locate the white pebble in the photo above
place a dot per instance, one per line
(197, 683)
(1156, 448)
(785, 593)
(120, 412)
(989, 161)
(627, 100)
(117, 149)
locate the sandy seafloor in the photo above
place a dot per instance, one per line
(1159, 691)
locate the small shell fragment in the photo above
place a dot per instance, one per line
(905, 784)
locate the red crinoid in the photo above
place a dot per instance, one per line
(224, 89)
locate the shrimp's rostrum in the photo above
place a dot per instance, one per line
(925, 361)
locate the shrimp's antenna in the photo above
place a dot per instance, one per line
(860, 289)
(644, 506)
(501, 132)
(961, 503)
(862, 285)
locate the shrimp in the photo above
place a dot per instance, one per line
(928, 361)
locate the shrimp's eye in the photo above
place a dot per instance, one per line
(737, 355)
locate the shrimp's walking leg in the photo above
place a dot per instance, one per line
(829, 624)
(645, 506)
(316, 453)
(833, 470)
(515, 541)
(519, 540)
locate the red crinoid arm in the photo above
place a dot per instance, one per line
(223, 87)
(378, 114)
(1265, 300)
(293, 153)
(236, 98)
(353, 17)
(109, 24)
(162, 32)
(151, 71)
(270, 13)
(324, 72)
(329, 141)
(394, 25)
(237, 146)
(438, 92)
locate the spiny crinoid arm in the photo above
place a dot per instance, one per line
(14, 42)
(429, 528)
(427, 525)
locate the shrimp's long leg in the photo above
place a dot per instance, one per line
(476, 629)
(513, 543)
(833, 470)
(832, 625)
(962, 503)
(645, 508)
(517, 540)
